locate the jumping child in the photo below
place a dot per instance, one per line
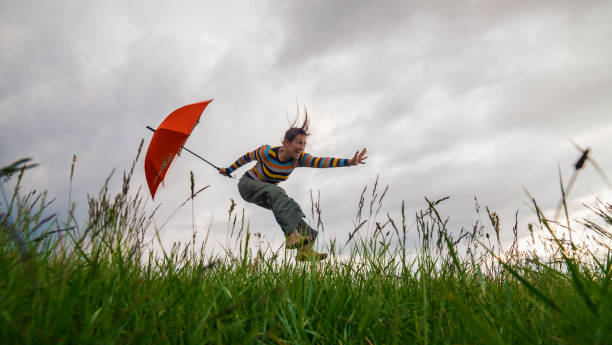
(274, 164)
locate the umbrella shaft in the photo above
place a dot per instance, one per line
(193, 153)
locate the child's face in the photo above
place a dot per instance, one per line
(296, 146)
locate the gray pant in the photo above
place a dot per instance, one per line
(287, 212)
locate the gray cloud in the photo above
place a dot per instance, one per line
(451, 98)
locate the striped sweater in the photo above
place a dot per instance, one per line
(271, 170)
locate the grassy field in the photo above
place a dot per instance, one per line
(99, 283)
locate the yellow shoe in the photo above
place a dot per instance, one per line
(306, 253)
(296, 240)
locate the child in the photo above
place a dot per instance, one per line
(274, 164)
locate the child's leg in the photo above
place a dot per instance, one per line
(287, 212)
(306, 230)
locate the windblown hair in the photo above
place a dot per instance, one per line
(294, 130)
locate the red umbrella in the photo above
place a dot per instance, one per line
(168, 140)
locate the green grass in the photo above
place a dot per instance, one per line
(98, 283)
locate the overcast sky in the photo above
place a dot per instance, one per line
(451, 98)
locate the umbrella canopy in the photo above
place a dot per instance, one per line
(167, 141)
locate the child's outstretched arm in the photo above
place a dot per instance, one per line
(309, 161)
(244, 159)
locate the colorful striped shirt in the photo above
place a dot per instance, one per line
(271, 170)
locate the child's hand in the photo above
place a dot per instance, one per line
(358, 158)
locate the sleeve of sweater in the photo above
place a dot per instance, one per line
(256, 154)
(309, 161)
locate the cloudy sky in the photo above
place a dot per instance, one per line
(451, 98)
